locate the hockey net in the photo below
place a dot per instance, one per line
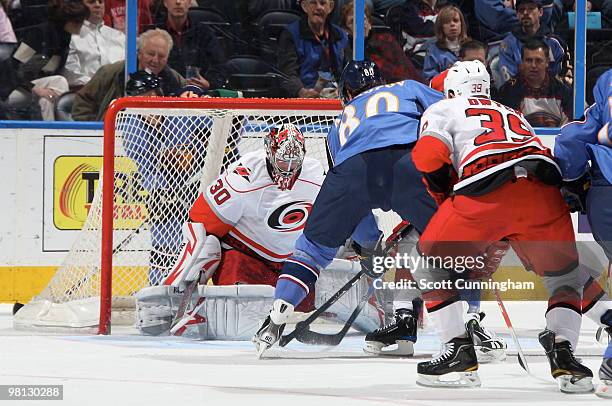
(158, 154)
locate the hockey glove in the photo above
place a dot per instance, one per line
(575, 193)
(492, 256)
(371, 259)
(440, 183)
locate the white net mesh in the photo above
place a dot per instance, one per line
(162, 159)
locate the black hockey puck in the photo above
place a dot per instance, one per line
(16, 307)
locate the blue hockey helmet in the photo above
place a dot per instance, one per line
(357, 77)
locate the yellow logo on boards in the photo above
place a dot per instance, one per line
(75, 181)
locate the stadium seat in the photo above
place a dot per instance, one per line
(63, 107)
(252, 76)
(218, 23)
(378, 25)
(593, 73)
(270, 26)
(393, 19)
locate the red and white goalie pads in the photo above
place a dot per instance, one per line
(200, 253)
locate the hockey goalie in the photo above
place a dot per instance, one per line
(241, 229)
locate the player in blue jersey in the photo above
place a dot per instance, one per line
(169, 153)
(580, 142)
(372, 168)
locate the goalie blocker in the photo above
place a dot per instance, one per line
(234, 312)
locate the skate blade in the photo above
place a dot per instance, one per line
(604, 389)
(404, 348)
(450, 380)
(567, 384)
(486, 356)
(261, 348)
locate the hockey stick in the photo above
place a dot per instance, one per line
(177, 329)
(521, 355)
(312, 337)
(302, 329)
(180, 319)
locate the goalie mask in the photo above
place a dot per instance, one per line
(467, 79)
(285, 150)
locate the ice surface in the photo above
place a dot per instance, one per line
(126, 369)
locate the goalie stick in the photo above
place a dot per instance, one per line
(302, 330)
(181, 319)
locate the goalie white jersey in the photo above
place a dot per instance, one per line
(245, 203)
(483, 136)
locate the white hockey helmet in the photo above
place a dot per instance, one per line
(467, 78)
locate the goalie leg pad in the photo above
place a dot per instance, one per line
(199, 253)
(230, 312)
(155, 309)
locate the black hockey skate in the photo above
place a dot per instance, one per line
(401, 331)
(267, 335)
(571, 375)
(271, 331)
(455, 366)
(488, 346)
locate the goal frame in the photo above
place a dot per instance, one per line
(118, 105)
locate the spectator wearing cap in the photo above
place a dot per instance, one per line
(310, 48)
(529, 13)
(451, 33)
(382, 48)
(545, 100)
(492, 20)
(107, 84)
(96, 45)
(50, 41)
(195, 45)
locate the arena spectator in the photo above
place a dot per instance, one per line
(96, 45)
(115, 14)
(471, 50)
(6, 27)
(108, 83)
(312, 48)
(545, 100)
(48, 42)
(491, 20)
(195, 45)
(382, 48)
(451, 33)
(416, 23)
(529, 13)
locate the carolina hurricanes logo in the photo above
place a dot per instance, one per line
(290, 217)
(243, 171)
